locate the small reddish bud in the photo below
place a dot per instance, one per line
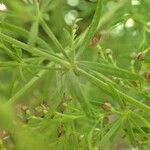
(106, 106)
(94, 42)
(98, 38)
(147, 75)
(61, 130)
(140, 56)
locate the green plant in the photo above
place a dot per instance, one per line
(79, 86)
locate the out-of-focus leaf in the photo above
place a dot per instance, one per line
(33, 33)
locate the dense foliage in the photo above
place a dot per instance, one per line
(75, 74)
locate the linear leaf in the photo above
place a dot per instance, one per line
(131, 133)
(53, 38)
(76, 92)
(109, 70)
(24, 33)
(92, 29)
(100, 84)
(116, 126)
(33, 33)
(6, 64)
(143, 120)
(27, 86)
(32, 49)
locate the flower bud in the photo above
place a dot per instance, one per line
(140, 56)
(133, 55)
(108, 51)
(147, 75)
(106, 106)
(24, 108)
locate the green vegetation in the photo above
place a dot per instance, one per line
(75, 74)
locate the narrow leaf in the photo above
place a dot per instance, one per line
(100, 84)
(33, 50)
(112, 130)
(33, 33)
(76, 92)
(92, 29)
(24, 33)
(110, 70)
